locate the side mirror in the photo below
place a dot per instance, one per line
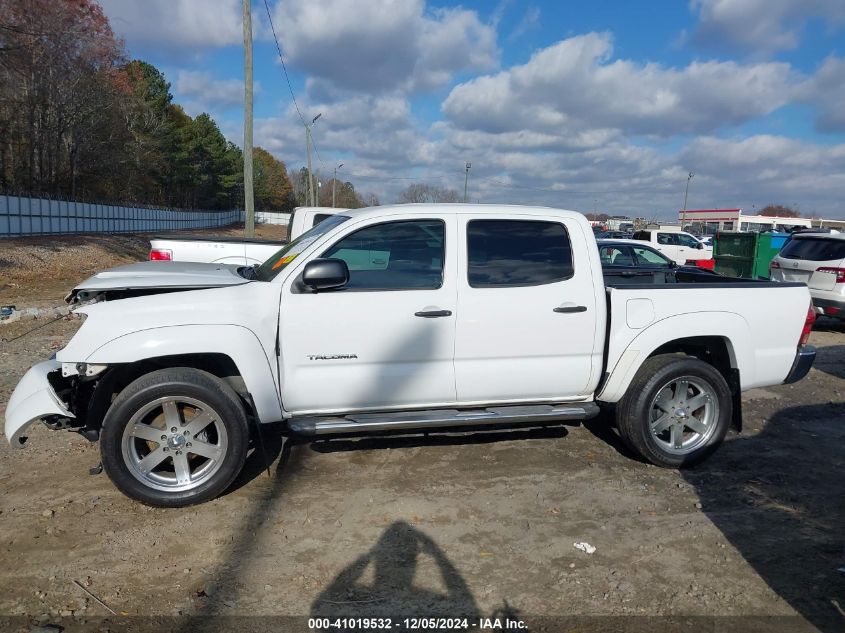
(325, 274)
(673, 264)
(700, 246)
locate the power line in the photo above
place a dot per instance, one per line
(504, 185)
(282, 59)
(287, 79)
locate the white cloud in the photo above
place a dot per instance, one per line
(177, 24)
(199, 92)
(530, 20)
(383, 45)
(826, 90)
(575, 85)
(759, 26)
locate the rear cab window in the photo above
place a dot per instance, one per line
(515, 253)
(643, 236)
(320, 217)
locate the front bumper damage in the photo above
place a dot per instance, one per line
(34, 399)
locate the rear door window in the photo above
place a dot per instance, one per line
(506, 253)
(814, 249)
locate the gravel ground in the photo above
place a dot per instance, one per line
(481, 524)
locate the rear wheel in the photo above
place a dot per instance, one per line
(174, 437)
(676, 411)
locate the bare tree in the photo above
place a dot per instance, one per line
(421, 192)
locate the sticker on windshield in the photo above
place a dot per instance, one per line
(284, 260)
(295, 249)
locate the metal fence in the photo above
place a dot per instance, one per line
(39, 216)
(272, 217)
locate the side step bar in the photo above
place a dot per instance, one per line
(411, 420)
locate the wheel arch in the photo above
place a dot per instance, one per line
(232, 353)
(718, 338)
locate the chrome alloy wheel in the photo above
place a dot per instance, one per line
(683, 415)
(174, 443)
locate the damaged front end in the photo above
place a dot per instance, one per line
(58, 394)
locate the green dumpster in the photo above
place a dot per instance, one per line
(745, 255)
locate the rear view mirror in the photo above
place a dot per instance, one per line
(325, 274)
(700, 246)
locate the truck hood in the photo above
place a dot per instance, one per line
(153, 277)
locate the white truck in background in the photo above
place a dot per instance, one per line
(403, 318)
(235, 250)
(679, 246)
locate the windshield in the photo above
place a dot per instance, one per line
(284, 256)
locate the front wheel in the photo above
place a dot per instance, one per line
(676, 411)
(174, 437)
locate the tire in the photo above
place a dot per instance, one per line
(174, 437)
(676, 411)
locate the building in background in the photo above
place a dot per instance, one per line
(710, 221)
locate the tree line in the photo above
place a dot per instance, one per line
(79, 120)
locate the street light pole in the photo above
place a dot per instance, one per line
(686, 193)
(309, 191)
(334, 184)
(466, 181)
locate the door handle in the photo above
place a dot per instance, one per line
(570, 309)
(433, 314)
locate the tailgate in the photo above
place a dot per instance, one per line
(825, 279)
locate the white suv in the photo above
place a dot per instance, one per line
(818, 260)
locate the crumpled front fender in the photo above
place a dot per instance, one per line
(32, 400)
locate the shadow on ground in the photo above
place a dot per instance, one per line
(831, 360)
(779, 498)
(383, 582)
(454, 437)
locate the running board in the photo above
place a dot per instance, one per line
(411, 420)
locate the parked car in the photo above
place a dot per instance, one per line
(236, 250)
(678, 245)
(631, 261)
(401, 319)
(613, 235)
(817, 259)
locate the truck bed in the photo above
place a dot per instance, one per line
(760, 321)
(226, 240)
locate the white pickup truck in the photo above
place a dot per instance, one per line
(680, 246)
(236, 250)
(399, 319)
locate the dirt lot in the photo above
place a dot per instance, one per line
(481, 524)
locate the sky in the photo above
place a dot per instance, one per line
(603, 106)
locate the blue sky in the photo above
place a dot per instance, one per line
(605, 105)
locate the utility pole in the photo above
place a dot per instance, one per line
(311, 200)
(334, 184)
(466, 181)
(686, 193)
(249, 200)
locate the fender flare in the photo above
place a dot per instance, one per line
(235, 341)
(726, 325)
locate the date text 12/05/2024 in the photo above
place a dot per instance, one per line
(414, 624)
